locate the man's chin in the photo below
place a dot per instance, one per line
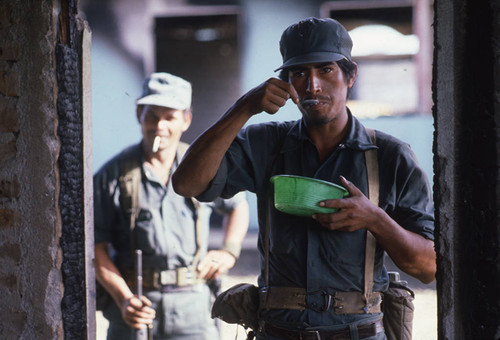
(316, 121)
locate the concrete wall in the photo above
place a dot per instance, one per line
(466, 161)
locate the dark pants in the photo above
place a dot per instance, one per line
(380, 336)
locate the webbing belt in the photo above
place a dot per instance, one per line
(296, 299)
(156, 279)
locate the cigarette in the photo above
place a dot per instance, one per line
(310, 102)
(156, 144)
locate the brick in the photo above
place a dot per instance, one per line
(8, 116)
(11, 251)
(9, 50)
(13, 323)
(8, 218)
(9, 83)
(7, 151)
(8, 281)
(7, 17)
(9, 188)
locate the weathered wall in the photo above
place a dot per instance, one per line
(466, 161)
(46, 238)
(75, 175)
(30, 278)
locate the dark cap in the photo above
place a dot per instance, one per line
(314, 40)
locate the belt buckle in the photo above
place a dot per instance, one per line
(185, 276)
(316, 334)
(168, 277)
(327, 302)
(309, 335)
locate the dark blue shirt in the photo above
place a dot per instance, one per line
(302, 253)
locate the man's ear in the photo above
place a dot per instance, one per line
(188, 118)
(138, 112)
(351, 81)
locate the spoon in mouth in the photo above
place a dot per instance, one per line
(309, 102)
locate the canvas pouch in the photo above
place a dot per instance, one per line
(398, 309)
(239, 304)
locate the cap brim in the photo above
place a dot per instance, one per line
(316, 57)
(162, 100)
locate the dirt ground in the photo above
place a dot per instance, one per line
(424, 323)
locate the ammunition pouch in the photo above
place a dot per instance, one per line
(398, 311)
(239, 304)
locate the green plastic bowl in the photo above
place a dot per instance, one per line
(300, 196)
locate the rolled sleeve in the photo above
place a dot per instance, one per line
(225, 206)
(237, 169)
(103, 212)
(410, 200)
(106, 202)
(217, 184)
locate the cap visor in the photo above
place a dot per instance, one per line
(316, 57)
(162, 100)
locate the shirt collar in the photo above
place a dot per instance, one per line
(357, 138)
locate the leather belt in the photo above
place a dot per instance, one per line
(295, 298)
(364, 331)
(153, 279)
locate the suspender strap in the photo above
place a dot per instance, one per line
(129, 188)
(372, 172)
